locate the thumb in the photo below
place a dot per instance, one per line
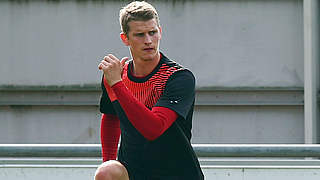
(124, 60)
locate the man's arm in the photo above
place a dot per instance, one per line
(110, 133)
(150, 123)
(110, 124)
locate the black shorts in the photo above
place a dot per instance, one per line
(138, 174)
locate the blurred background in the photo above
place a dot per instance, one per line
(256, 64)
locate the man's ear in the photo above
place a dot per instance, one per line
(160, 29)
(124, 39)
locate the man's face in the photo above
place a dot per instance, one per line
(143, 39)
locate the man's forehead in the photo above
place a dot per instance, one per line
(143, 25)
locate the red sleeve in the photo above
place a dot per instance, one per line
(110, 133)
(150, 123)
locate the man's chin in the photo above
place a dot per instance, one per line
(149, 57)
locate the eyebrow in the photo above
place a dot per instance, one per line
(140, 31)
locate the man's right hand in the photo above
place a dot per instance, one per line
(112, 68)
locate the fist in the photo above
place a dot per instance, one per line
(112, 68)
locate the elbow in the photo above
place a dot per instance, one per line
(152, 138)
(154, 135)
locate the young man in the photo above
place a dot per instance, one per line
(149, 101)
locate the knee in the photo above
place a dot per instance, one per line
(111, 170)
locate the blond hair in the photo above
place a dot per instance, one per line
(136, 11)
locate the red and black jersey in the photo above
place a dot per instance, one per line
(171, 155)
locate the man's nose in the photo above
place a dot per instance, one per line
(147, 39)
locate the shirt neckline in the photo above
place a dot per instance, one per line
(147, 77)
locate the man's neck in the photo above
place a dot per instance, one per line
(142, 68)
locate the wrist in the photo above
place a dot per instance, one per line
(114, 82)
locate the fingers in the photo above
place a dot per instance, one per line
(110, 60)
(103, 64)
(124, 60)
(112, 57)
(107, 61)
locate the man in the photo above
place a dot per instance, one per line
(149, 101)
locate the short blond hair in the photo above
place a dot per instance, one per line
(136, 11)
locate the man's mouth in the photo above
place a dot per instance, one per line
(148, 49)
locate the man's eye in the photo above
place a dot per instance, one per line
(152, 33)
(140, 34)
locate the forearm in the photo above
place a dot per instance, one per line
(150, 123)
(110, 133)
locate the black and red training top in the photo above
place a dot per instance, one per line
(154, 116)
